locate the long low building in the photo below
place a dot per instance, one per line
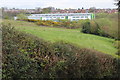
(70, 16)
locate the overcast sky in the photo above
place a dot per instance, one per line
(58, 3)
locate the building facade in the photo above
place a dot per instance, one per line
(69, 16)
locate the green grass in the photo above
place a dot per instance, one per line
(74, 36)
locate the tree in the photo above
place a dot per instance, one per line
(118, 4)
(92, 9)
(21, 16)
(86, 27)
(46, 10)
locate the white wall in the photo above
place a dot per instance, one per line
(71, 16)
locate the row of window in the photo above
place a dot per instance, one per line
(49, 15)
(65, 15)
(55, 17)
(81, 17)
(75, 19)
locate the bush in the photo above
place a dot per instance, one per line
(118, 52)
(21, 16)
(108, 24)
(117, 45)
(105, 25)
(59, 23)
(101, 27)
(82, 63)
(90, 27)
(86, 27)
(107, 66)
(94, 28)
(19, 66)
(101, 15)
(117, 68)
(26, 56)
(16, 45)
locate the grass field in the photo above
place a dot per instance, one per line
(74, 36)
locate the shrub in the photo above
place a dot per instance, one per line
(16, 45)
(117, 45)
(108, 25)
(101, 27)
(19, 66)
(26, 56)
(63, 50)
(60, 23)
(94, 28)
(8, 43)
(117, 68)
(105, 25)
(81, 63)
(86, 27)
(101, 15)
(21, 16)
(107, 65)
(90, 27)
(118, 52)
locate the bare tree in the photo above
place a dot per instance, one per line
(118, 4)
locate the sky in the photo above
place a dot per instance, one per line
(62, 4)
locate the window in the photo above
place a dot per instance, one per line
(77, 17)
(86, 16)
(82, 16)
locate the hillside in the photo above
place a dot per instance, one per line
(74, 36)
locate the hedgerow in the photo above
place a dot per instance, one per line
(59, 23)
(117, 45)
(28, 57)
